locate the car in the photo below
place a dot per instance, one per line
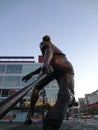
(86, 117)
(95, 116)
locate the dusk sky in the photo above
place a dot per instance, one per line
(71, 24)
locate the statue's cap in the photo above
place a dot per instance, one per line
(46, 38)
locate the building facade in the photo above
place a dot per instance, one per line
(92, 102)
(82, 107)
(92, 98)
(12, 69)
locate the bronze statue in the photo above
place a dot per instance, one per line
(56, 66)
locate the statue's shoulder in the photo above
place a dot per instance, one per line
(45, 44)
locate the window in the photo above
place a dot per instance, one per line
(53, 84)
(2, 68)
(14, 68)
(12, 81)
(27, 68)
(12, 91)
(1, 80)
(0, 92)
(5, 92)
(31, 80)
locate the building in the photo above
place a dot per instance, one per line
(92, 98)
(92, 102)
(82, 108)
(12, 69)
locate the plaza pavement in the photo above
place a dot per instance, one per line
(67, 125)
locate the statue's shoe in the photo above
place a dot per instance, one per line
(28, 121)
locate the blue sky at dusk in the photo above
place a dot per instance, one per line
(72, 25)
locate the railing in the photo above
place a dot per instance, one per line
(7, 104)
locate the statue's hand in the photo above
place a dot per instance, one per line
(47, 68)
(26, 78)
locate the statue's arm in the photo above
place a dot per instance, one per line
(28, 76)
(48, 55)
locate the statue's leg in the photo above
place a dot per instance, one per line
(35, 97)
(55, 116)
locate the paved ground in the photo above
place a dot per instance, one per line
(70, 125)
(20, 126)
(67, 125)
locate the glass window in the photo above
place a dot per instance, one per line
(54, 84)
(12, 91)
(2, 68)
(52, 92)
(14, 68)
(5, 92)
(12, 81)
(0, 92)
(27, 68)
(31, 80)
(1, 80)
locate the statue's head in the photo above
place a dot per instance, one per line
(46, 38)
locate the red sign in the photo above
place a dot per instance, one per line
(40, 59)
